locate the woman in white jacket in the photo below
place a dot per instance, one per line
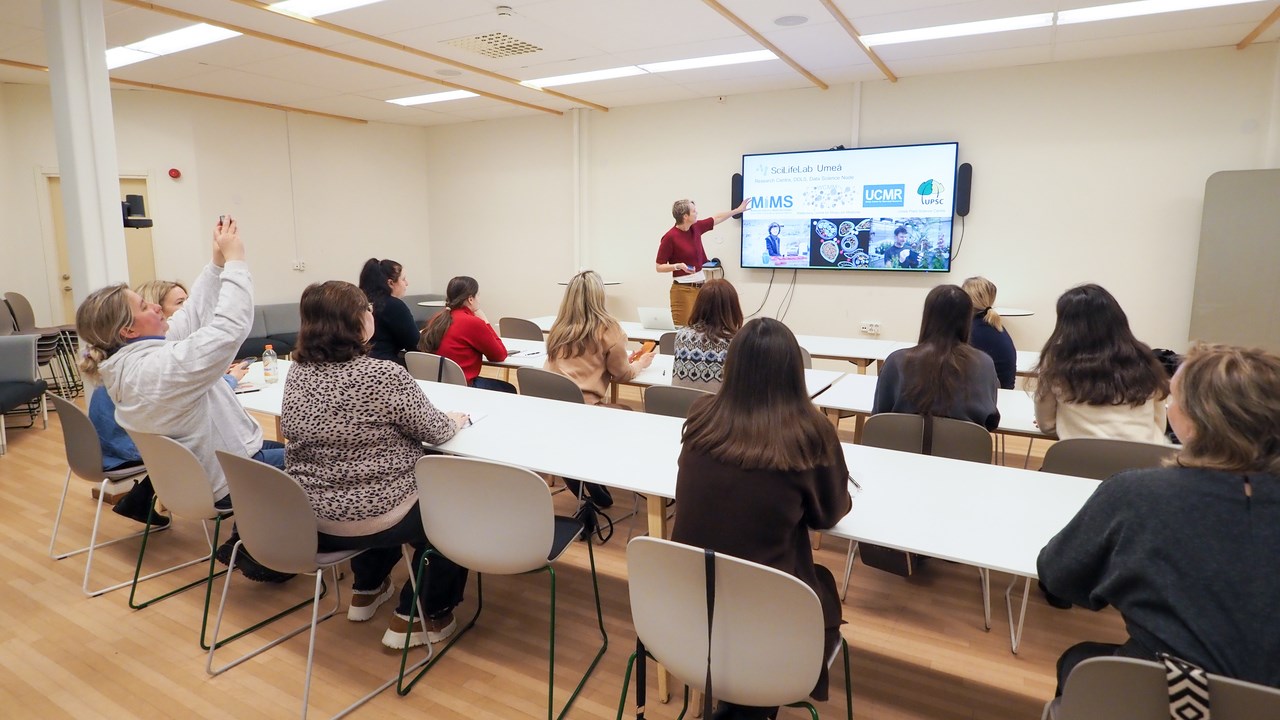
(165, 376)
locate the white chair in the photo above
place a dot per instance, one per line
(1118, 688)
(519, 329)
(276, 523)
(767, 637)
(672, 400)
(537, 382)
(84, 460)
(432, 367)
(182, 485)
(956, 439)
(1100, 458)
(667, 343)
(453, 493)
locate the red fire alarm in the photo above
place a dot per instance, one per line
(175, 173)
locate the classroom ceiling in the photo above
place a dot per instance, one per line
(352, 61)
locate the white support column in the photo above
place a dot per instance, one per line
(85, 131)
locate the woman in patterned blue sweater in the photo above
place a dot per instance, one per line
(701, 346)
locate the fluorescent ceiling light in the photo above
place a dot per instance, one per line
(433, 98)
(186, 38)
(121, 56)
(711, 61)
(316, 8)
(1136, 9)
(582, 77)
(981, 27)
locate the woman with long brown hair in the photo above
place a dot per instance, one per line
(587, 344)
(760, 450)
(1187, 553)
(943, 375)
(1095, 379)
(462, 333)
(702, 345)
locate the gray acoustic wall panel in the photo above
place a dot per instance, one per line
(1237, 295)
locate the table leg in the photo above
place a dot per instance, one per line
(657, 508)
(862, 364)
(859, 421)
(613, 393)
(984, 576)
(834, 416)
(1015, 632)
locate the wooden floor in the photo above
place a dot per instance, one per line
(918, 647)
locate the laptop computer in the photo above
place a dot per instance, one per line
(656, 318)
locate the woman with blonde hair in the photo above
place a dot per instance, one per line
(168, 294)
(587, 344)
(988, 333)
(1186, 552)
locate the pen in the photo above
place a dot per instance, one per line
(855, 482)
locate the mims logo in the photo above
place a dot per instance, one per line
(930, 192)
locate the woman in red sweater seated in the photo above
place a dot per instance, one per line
(463, 334)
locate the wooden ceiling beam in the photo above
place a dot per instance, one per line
(857, 37)
(250, 32)
(197, 93)
(366, 37)
(744, 27)
(1263, 26)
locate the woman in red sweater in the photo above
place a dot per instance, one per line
(462, 333)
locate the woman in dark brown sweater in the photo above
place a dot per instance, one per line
(760, 467)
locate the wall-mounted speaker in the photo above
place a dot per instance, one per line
(735, 193)
(964, 184)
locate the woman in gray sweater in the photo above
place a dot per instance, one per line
(1187, 553)
(943, 375)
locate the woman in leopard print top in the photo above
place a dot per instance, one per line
(355, 427)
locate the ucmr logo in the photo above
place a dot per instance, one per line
(764, 202)
(882, 195)
(930, 192)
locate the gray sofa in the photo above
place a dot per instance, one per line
(278, 324)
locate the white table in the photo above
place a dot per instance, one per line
(531, 353)
(988, 516)
(1013, 311)
(433, 303)
(856, 393)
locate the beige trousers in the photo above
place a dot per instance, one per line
(682, 299)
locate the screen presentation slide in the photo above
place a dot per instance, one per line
(887, 208)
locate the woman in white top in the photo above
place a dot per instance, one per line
(1095, 378)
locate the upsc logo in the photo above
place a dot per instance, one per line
(930, 192)
(882, 195)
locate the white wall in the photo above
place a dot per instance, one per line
(326, 192)
(1083, 171)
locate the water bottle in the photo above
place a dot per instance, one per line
(269, 373)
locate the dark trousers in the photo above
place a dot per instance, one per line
(485, 383)
(1080, 652)
(442, 584)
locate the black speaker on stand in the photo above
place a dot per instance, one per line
(964, 184)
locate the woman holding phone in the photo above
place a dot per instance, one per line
(587, 344)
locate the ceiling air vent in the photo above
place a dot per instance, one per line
(494, 45)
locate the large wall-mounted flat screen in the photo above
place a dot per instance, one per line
(880, 208)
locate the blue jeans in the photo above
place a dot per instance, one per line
(272, 453)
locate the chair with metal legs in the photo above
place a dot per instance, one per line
(765, 643)
(950, 438)
(277, 524)
(429, 366)
(452, 493)
(84, 460)
(182, 485)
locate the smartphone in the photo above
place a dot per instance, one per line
(647, 347)
(247, 360)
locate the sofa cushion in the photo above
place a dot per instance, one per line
(281, 319)
(422, 314)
